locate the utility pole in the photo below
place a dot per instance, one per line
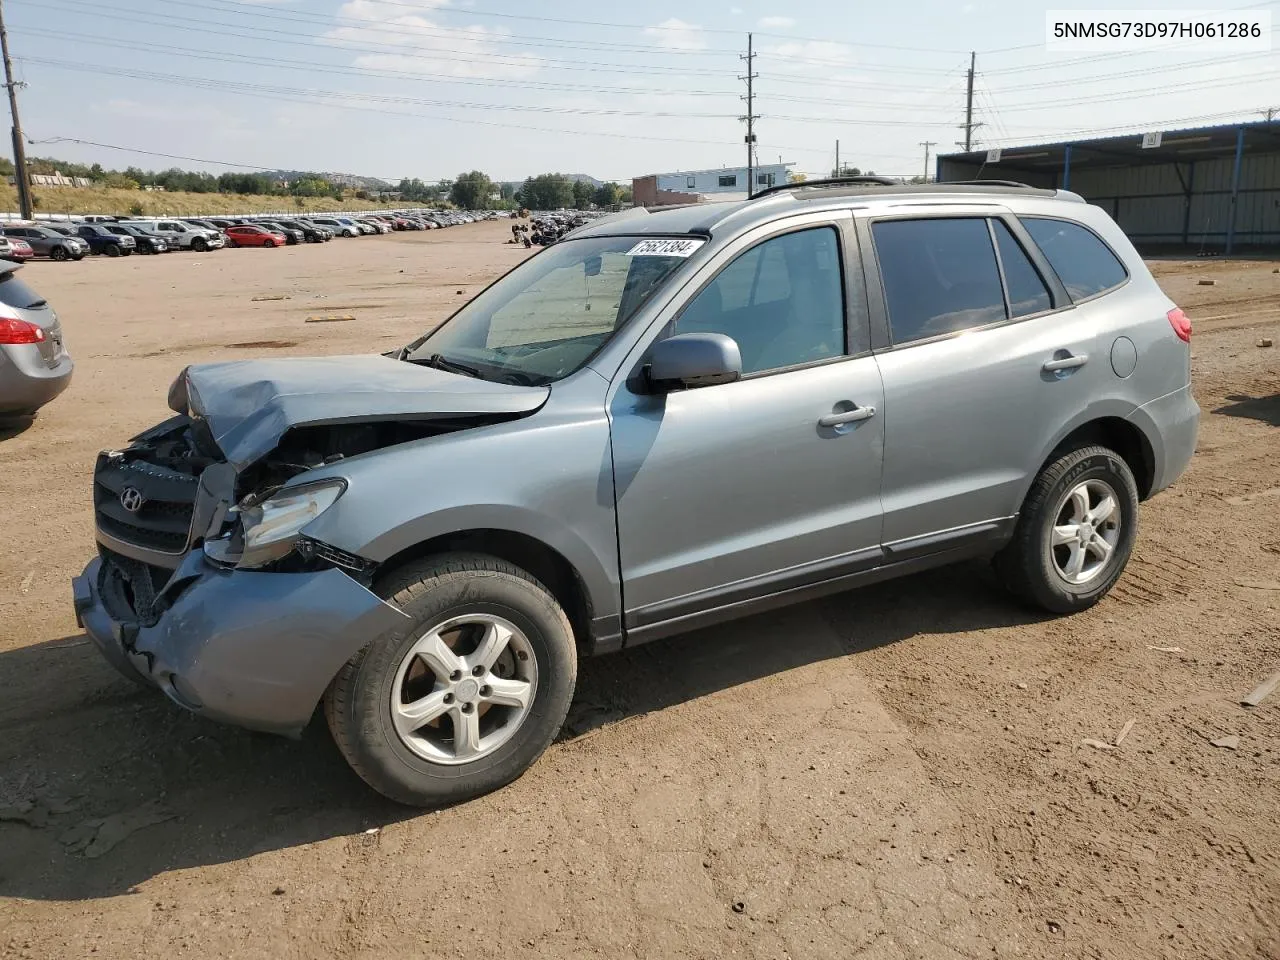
(751, 116)
(968, 104)
(927, 144)
(19, 151)
(837, 173)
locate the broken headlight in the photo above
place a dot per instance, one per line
(268, 529)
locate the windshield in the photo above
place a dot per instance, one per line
(551, 314)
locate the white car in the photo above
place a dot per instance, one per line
(183, 236)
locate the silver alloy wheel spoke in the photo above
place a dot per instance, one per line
(1100, 548)
(1066, 534)
(509, 693)
(1103, 511)
(437, 655)
(466, 733)
(495, 640)
(413, 716)
(1076, 564)
(1080, 503)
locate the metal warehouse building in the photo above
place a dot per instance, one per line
(1211, 189)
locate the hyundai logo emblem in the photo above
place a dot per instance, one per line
(132, 499)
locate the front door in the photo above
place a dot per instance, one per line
(734, 491)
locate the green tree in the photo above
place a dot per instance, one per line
(607, 195)
(471, 191)
(583, 193)
(547, 191)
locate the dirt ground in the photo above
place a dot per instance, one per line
(898, 772)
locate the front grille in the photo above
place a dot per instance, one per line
(144, 504)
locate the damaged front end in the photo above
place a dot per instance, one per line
(205, 584)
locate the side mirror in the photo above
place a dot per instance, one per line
(690, 360)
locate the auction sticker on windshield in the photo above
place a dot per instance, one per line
(665, 248)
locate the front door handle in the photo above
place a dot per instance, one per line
(849, 416)
(1068, 362)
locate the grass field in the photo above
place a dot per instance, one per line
(141, 203)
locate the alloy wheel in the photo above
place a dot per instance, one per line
(464, 688)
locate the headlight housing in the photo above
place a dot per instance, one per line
(268, 529)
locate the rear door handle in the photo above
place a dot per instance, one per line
(849, 416)
(1065, 363)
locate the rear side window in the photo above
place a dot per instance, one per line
(1086, 265)
(1027, 292)
(15, 293)
(940, 276)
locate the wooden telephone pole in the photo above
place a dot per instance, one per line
(19, 151)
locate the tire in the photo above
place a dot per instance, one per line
(1040, 573)
(231, 242)
(348, 233)
(268, 243)
(113, 250)
(436, 591)
(199, 244)
(58, 253)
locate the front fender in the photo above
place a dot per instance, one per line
(548, 476)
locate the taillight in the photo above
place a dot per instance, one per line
(19, 331)
(1181, 324)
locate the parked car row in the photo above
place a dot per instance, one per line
(101, 235)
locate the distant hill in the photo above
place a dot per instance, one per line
(345, 179)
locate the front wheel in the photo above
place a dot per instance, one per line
(199, 244)
(59, 253)
(268, 243)
(1075, 532)
(113, 250)
(468, 696)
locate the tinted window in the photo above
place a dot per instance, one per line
(940, 276)
(1027, 292)
(782, 301)
(1083, 262)
(15, 293)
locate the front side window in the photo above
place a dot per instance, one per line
(782, 301)
(550, 315)
(940, 276)
(1085, 265)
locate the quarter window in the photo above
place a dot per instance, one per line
(940, 276)
(782, 301)
(1085, 265)
(1027, 292)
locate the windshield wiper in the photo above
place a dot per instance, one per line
(440, 362)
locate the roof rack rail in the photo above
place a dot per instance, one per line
(869, 179)
(983, 183)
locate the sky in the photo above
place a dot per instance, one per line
(432, 88)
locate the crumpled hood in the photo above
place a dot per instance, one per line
(249, 405)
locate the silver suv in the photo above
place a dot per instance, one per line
(662, 421)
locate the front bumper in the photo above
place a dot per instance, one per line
(251, 649)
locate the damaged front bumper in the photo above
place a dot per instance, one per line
(255, 650)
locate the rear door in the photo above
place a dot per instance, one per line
(983, 359)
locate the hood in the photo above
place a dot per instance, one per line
(249, 405)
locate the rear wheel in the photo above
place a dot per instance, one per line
(59, 253)
(1075, 532)
(465, 699)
